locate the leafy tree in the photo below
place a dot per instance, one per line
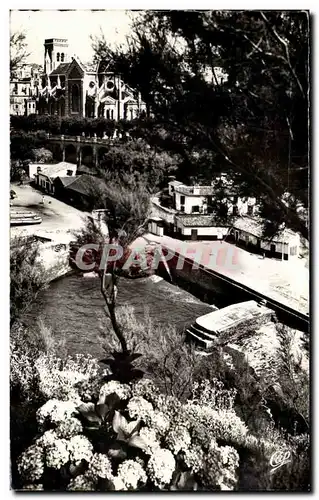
(18, 50)
(127, 207)
(233, 88)
(27, 275)
(137, 158)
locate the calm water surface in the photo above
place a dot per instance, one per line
(73, 308)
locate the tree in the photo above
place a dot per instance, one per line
(233, 88)
(27, 275)
(18, 51)
(127, 207)
(148, 165)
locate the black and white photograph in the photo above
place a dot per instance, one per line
(159, 250)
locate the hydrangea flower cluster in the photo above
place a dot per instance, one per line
(69, 428)
(123, 391)
(80, 449)
(31, 463)
(194, 458)
(55, 411)
(100, 467)
(160, 467)
(81, 483)
(147, 389)
(150, 440)
(178, 439)
(138, 407)
(159, 422)
(57, 454)
(132, 474)
(169, 432)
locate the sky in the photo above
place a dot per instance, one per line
(76, 26)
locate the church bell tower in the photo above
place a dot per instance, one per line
(55, 52)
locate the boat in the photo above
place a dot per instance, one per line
(24, 218)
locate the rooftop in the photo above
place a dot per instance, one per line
(83, 184)
(255, 227)
(56, 169)
(195, 190)
(61, 69)
(196, 220)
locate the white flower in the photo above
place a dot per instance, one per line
(100, 466)
(123, 391)
(81, 483)
(33, 487)
(57, 454)
(80, 448)
(149, 437)
(47, 439)
(131, 473)
(31, 464)
(159, 422)
(194, 458)
(145, 388)
(56, 411)
(160, 467)
(69, 428)
(138, 407)
(118, 484)
(178, 439)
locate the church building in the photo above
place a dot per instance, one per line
(71, 88)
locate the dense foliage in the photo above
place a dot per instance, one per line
(27, 275)
(18, 50)
(250, 120)
(72, 125)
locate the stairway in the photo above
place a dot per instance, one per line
(202, 338)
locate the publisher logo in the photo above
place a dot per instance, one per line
(278, 459)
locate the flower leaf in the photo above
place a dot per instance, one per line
(117, 452)
(102, 410)
(133, 427)
(137, 442)
(119, 422)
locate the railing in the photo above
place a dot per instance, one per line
(83, 139)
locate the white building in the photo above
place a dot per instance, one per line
(249, 232)
(199, 199)
(44, 174)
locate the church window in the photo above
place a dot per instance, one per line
(108, 114)
(58, 57)
(62, 57)
(75, 98)
(112, 114)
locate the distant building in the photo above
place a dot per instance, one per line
(24, 89)
(200, 199)
(248, 232)
(45, 174)
(65, 86)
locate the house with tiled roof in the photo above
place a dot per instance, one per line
(45, 174)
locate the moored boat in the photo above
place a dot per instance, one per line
(24, 218)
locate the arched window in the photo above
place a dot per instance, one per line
(112, 114)
(58, 57)
(108, 114)
(62, 57)
(75, 98)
